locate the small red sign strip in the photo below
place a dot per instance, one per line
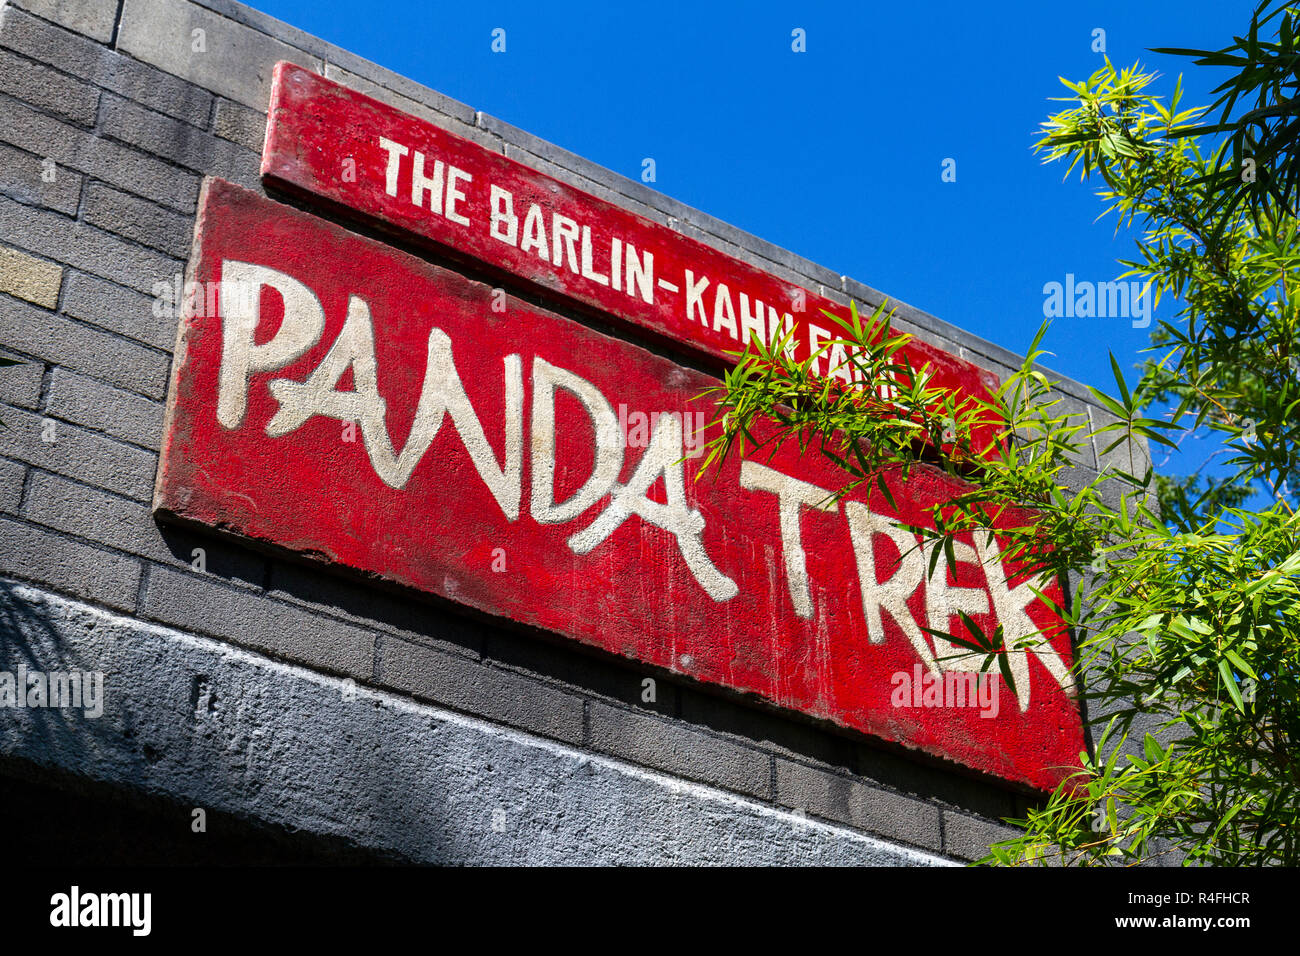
(355, 404)
(371, 159)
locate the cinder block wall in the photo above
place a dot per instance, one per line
(262, 690)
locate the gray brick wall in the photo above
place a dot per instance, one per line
(110, 115)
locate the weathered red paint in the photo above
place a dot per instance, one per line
(324, 140)
(314, 493)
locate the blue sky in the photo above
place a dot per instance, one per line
(835, 153)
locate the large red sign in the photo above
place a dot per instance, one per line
(372, 160)
(361, 407)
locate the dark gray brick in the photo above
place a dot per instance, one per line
(657, 742)
(12, 474)
(239, 616)
(364, 604)
(968, 838)
(240, 125)
(77, 453)
(101, 66)
(560, 662)
(468, 685)
(85, 401)
(67, 565)
(84, 247)
(889, 770)
(94, 18)
(43, 87)
(769, 731)
(138, 219)
(25, 177)
(102, 355)
(843, 800)
(198, 150)
(235, 61)
(127, 525)
(113, 307)
(68, 146)
(21, 384)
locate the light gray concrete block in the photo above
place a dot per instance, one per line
(21, 384)
(43, 87)
(218, 54)
(32, 180)
(84, 247)
(104, 408)
(455, 116)
(215, 726)
(125, 311)
(240, 125)
(94, 18)
(84, 455)
(145, 222)
(83, 348)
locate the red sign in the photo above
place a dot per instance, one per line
(350, 402)
(370, 159)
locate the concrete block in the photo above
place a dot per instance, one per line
(77, 453)
(240, 125)
(221, 610)
(83, 348)
(455, 117)
(474, 687)
(30, 278)
(361, 603)
(94, 18)
(121, 310)
(12, 475)
(968, 837)
(21, 384)
(216, 53)
(666, 745)
(103, 67)
(41, 86)
(100, 407)
(68, 147)
(190, 147)
(84, 247)
(771, 732)
(127, 525)
(206, 724)
(601, 191)
(844, 800)
(33, 180)
(67, 565)
(152, 225)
